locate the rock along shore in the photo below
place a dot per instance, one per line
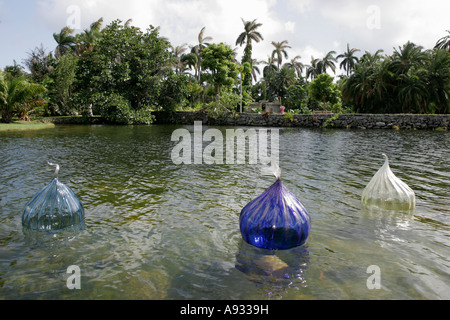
(338, 121)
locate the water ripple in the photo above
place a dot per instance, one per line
(156, 230)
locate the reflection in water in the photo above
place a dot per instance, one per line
(273, 271)
(51, 240)
(388, 225)
(390, 219)
(155, 230)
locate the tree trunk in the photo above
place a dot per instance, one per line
(217, 93)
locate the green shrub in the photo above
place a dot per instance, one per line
(117, 110)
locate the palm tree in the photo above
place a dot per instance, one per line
(85, 41)
(65, 41)
(382, 84)
(349, 59)
(444, 42)
(18, 96)
(357, 88)
(178, 52)
(250, 34)
(296, 65)
(281, 81)
(127, 23)
(413, 93)
(328, 62)
(255, 69)
(280, 51)
(188, 61)
(14, 71)
(314, 69)
(197, 49)
(438, 79)
(270, 66)
(407, 56)
(370, 59)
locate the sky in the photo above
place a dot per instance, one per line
(311, 27)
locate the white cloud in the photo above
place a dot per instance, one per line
(399, 21)
(179, 21)
(310, 27)
(301, 5)
(289, 26)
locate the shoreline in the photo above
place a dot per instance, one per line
(25, 126)
(438, 122)
(319, 120)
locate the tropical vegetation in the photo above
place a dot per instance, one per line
(123, 74)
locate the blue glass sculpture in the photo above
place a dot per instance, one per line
(54, 208)
(275, 220)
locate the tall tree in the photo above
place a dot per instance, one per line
(322, 89)
(410, 80)
(188, 61)
(178, 52)
(85, 41)
(407, 56)
(255, 69)
(438, 80)
(128, 68)
(328, 62)
(279, 82)
(197, 50)
(280, 51)
(413, 93)
(296, 65)
(39, 62)
(348, 59)
(357, 89)
(219, 60)
(444, 42)
(270, 66)
(61, 85)
(14, 71)
(370, 59)
(249, 34)
(65, 41)
(314, 69)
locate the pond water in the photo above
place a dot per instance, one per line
(157, 230)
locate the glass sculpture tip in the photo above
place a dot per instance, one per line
(56, 167)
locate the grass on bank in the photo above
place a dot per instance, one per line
(19, 125)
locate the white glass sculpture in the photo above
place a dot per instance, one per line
(386, 191)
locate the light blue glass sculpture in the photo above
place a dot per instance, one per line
(54, 208)
(276, 220)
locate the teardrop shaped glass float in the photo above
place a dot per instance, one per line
(53, 209)
(386, 191)
(276, 220)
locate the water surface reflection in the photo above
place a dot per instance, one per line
(155, 230)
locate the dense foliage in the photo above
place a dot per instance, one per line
(123, 74)
(411, 80)
(18, 96)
